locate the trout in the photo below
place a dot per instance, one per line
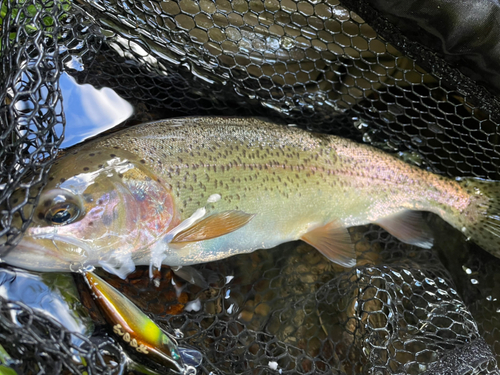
(192, 190)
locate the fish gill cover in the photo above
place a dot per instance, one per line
(345, 68)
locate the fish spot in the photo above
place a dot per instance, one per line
(15, 201)
(116, 147)
(100, 201)
(112, 155)
(91, 224)
(120, 175)
(41, 216)
(91, 154)
(86, 169)
(62, 179)
(139, 195)
(100, 166)
(47, 203)
(51, 178)
(107, 220)
(143, 161)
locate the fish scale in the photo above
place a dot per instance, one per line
(306, 160)
(274, 184)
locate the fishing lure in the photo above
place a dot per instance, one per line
(137, 331)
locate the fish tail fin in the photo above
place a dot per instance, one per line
(480, 221)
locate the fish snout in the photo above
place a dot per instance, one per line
(44, 254)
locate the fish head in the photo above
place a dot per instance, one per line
(95, 212)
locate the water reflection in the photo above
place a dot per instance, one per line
(53, 294)
(89, 111)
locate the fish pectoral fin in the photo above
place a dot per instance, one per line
(408, 227)
(334, 242)
(215, 225)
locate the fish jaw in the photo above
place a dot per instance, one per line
(43, 255)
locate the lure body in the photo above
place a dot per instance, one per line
(133, 326)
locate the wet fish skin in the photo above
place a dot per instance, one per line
(251, 184)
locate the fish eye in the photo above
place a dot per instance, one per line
(62, 213)
(59, 207)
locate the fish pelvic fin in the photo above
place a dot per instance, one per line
(334, 242)
(214, 226)
(191, 275)
(408, 227)
(480, 221)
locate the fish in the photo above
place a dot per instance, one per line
(138, 331)
(192, 190)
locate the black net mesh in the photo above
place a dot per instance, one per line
(30, 104)
(328, 66)
(38, 344)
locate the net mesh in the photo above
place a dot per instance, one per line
(334, 67)
(38, 344)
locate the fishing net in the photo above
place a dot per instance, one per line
(408, 79)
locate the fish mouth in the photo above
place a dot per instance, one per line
(53, 235)
(45, 250)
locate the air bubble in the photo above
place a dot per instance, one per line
(214, 198)
(287, 43)
(178, 333)
(273, 365)
(193, 305)
(359, 124)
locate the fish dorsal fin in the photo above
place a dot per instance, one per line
(334, 242)
(215, 225)
(408, 227)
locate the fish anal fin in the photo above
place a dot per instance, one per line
(408, 227)
(334, 242)
(214, 226)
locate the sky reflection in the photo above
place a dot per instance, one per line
(89, 111)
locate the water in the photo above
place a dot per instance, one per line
(54, 295)
(89, 111)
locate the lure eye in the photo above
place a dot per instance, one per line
(62, 213)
